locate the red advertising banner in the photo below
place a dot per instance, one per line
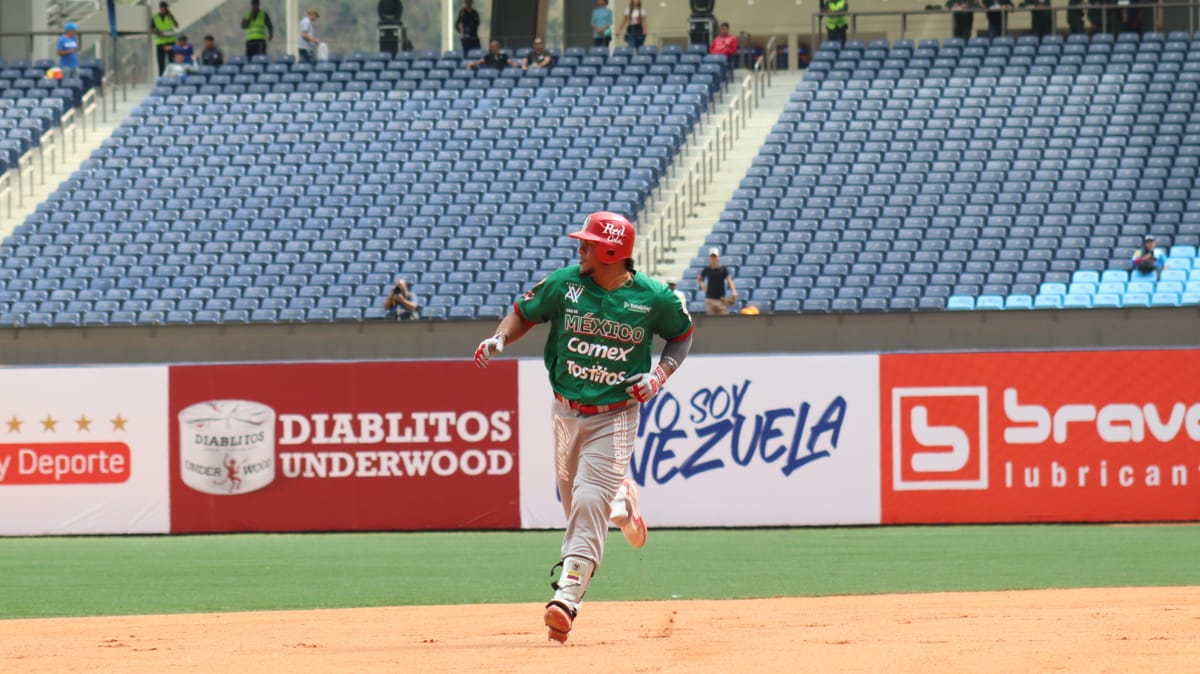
(1040, 437)
(64, 463)
(344, 446)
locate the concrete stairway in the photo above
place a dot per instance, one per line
(70, 150)
(725, 181)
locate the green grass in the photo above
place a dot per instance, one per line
(176, 574)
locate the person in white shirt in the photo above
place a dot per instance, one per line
(308, 39)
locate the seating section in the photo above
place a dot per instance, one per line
(31, 104)
(275, 191)
(989, 174)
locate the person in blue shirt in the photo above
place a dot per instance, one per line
(602, 20)
(68, 51)
(182, 46)
(1148, 260)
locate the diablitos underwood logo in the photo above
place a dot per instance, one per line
(939, 438)
(227, 446)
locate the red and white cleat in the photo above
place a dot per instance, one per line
(558, 621)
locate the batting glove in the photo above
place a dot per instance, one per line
(645, 386)
(493, 344)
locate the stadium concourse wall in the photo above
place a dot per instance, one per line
(1073, 416)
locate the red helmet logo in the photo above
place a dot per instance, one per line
(612, 233)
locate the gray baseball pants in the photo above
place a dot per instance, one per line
(591, 455)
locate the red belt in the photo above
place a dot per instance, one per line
(591, 409)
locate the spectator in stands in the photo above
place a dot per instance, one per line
(996, 16)
(163, 25)
(678, 293)
(1075, 16)
(259, 30)
(179, 68)
(602, 22)
(538, 57)
(212, 54)
(1041, 17)
(68, 51)
(401, 303)
(712, 280)
(964, 17)
(1095, 16)
(182, 47)
(634, 24)
(493, 59)
(836, 25)
(467, 26)
(1148, 260)
(308, 39)
(727, 45)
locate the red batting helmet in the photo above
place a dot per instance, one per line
(612, 233)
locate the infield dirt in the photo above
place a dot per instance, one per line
(1083, 630)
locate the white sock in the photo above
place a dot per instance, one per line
(573, 582)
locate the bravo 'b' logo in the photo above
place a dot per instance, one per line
(615, 233)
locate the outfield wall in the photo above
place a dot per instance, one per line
(888, 332)
(758, 440)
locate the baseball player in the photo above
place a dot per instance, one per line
(603, 316)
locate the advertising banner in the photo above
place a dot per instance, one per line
(343, 446)
(83, 451)
(734, 441)
(1041, 437)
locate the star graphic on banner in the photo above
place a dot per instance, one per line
(49, 423)
(119, 423)
(84, 423)
(14, 424)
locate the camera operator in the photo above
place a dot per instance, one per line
(401, 303)
(1148, 260)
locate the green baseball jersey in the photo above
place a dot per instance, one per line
(599, 338)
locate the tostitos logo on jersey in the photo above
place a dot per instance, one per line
(595, 373)
(577, 345)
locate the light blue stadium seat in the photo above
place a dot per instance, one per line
(1135, 300)
(1161, 299)
(1052, 288)
(1048, 301)
(1106, 300)
(1077, 301)
(960, 303)
(1018, 302)
(989, 302)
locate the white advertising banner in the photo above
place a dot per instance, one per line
(734, 441)
(83, 451)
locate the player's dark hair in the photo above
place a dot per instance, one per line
(629, 264)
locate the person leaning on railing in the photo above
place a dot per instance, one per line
(963, 23)
(836, 25)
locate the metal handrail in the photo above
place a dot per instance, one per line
(698, 174)
(817, 31)
(6, 189)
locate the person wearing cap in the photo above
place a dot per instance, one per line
(163, 26)
(183, 47)
(257, 25)
(1148, 260)
(712, 280)
(68, 51)
(308, 39)
(678, 293)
